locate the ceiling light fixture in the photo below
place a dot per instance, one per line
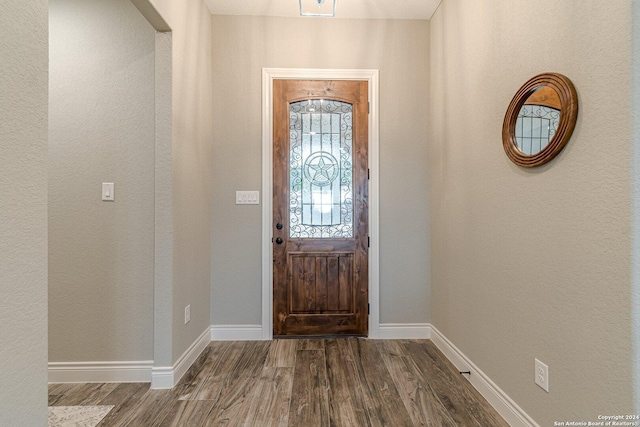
(318, 8)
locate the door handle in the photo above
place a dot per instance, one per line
(279, 240)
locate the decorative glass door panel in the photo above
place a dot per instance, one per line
(321, 170)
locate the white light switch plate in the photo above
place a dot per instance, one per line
(247, 197)
(108, 189)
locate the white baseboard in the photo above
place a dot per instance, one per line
(168, 376)
(497, 398)
(236, 333)
(399, 331)
(162, 377)
(100, 372)
(254, 332)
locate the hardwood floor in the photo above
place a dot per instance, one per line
(310, 382)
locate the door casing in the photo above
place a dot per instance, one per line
(268, 76)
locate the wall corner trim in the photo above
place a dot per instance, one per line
(506, 407)
(168, 376)
(162, 377)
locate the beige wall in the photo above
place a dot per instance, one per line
(23, 213)
(242, 46)
(116, 240)
(101, 129)
(534, 263)
(636, 198)
(192, 164)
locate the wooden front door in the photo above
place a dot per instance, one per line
(320, 208)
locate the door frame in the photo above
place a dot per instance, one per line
(268, 76)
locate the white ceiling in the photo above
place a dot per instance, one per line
(346, 9)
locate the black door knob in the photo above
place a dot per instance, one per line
(279, 240)
(279, 226)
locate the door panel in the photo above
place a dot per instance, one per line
(321, 283)
(320, 196)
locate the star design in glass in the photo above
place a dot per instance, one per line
(321, 168)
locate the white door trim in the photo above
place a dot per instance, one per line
(268, 76)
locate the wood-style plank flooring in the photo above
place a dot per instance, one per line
(309, 382)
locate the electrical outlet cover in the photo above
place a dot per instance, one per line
(542, 375)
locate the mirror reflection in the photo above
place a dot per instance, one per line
(538, 120)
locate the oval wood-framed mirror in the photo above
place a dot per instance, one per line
(540, 120)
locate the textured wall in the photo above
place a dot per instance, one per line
(163, 274)
(23, 213)
(636, 197)
(534, 263)
(190, 23)
(242, 46)
(101, 130)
